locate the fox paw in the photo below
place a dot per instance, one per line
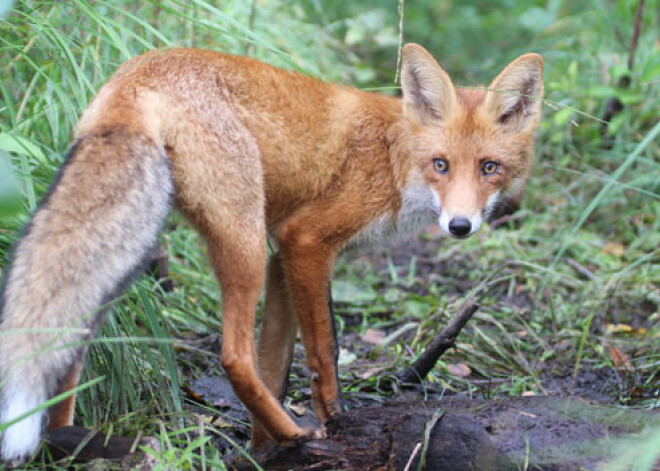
(308, 433)
(315, 433)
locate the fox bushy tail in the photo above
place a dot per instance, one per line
(91, 232)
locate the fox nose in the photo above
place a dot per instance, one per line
(460, 226)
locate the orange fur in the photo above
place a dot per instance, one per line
(257, 151)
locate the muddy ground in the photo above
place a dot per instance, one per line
(574, 427)
(547, 433)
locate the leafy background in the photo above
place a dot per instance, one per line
(570, 288)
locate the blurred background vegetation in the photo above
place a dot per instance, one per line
(570, 285)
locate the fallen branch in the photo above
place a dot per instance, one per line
(81, 444)
(439, 345)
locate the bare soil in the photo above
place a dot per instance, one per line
(575, 427)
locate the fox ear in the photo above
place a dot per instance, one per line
(514, 97)
(428, 93)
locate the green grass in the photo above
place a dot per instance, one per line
(583, 255)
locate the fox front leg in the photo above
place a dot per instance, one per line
(308, 263)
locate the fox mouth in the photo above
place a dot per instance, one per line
(465, 236)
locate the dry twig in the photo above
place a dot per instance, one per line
(440, 344)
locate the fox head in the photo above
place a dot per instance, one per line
(472, 147)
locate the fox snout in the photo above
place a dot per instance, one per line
(461, 221)
(460, 226)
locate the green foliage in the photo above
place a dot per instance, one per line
(585, 254)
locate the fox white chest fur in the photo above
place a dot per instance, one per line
(420, 208)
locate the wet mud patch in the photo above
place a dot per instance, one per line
(462, 434)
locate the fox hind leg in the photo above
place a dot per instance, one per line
(276, 339)
(220, 188)
(238, 254)
(61, 414)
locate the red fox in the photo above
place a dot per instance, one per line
(247, 151)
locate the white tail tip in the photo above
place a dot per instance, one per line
(21, 440)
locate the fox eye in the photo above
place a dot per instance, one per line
(489, 168)
(440, 165)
